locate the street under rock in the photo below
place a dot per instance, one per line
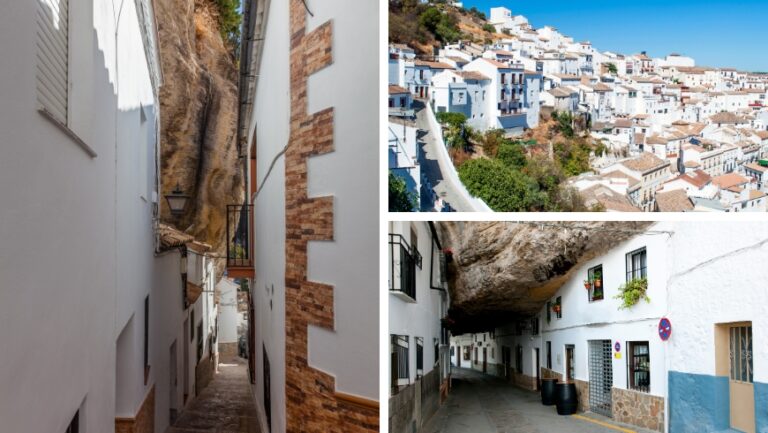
(225, 405)
(480, 403)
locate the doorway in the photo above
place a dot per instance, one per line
(174, 382)
(506, 357)
(537, 363)
(185, 359)
(733, 352)
(600, 376)
(485, 359)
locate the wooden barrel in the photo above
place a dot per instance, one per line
(548, 392)
(566, 399)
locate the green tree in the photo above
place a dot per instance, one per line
(512, 154)
(400, 199)
(504, 189)
(229, 21)
(430, 18)
(612, 68)
(489, 28)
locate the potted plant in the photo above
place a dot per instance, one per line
(598, 279)
(587, 284)
(632, 292)
(556, 308)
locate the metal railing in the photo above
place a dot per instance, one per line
(403, 261)
(399, 360)
(239, 236)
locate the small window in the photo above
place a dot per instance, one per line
(549, 355)
(436, 343)
(595, 282)
(535, 325)
(419, 357)
(741, 354)
(559, 307)
(467, 353)
(639, 365)
(636, 264)
(399, 361)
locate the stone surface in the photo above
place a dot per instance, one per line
(481, 403)
(405, 411)
(638, 408)
(502, 271)
(225, 406)
(144, 421)
(198, 101)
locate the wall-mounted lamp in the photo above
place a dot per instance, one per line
(177, 201)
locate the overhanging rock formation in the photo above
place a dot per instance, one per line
(504, 271)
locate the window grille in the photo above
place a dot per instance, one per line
(600, 376)
(741, 354)
(437, 350)
(595, 292)
(636, 264)
(639, 364)
(419, 357)
(399, 361)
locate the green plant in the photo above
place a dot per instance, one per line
(632, 292)
(229, 21)
(400, 199)
(489, 28)
(612, 68)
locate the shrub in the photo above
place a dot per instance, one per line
(512, 154)
(400, 199)
(489, 28)
(502, 188)
(632, 292)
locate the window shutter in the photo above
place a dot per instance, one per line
(53, 57)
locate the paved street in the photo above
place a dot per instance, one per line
(480, 403)
(431, 166)
(225, 406)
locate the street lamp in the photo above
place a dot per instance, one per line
(177, 201)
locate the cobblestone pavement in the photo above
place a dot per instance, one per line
(479, 403)
(225, 406)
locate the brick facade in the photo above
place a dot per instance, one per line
(311, 402)
(144, 421)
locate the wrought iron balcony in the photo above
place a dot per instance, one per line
(403, 262)
(240, 241)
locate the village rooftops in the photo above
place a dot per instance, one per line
(645, 163)
(501, 65)
(432, 65)
(471, 75)
(673, 201)
(656, 139)
(608, 198)
(726, 117)
(756, 167)
(729, 180)
(562, 92)
(697, 178)
(394, 89)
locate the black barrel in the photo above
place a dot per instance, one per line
(566, 399)
(548, 392)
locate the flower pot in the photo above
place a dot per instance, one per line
(598, 283)
(587, 285)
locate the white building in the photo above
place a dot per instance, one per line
(418, 300)
(231, 321)
(314, 327)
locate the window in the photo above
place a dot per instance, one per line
(549, 355)
(741, 353)
(519, 359)
(146, 339)
(636, 264)
(200, 341)
(476, 362)
(559, 307)
(436, 343)
(399, 360)
(74, 425)
(569, 362)
(467, 354)
(535, 326)
(595, 278)
(639, 366)
(549, 311)
(419, 357)
(415, 247)
(53, 58)
(267, 389)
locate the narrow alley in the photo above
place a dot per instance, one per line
(486, 404)
(224, 406)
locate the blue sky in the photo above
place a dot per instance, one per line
(714, 32)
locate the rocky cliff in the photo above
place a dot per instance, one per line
(503, 271)
(198, 102)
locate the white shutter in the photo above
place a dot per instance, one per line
(53, 57)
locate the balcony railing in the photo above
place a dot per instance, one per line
(403, 262)
(240, 240)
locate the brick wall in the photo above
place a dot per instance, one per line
(310, 391)
(144, 421)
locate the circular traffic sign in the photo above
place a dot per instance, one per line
(665, 329)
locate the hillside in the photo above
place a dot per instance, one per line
(426, 27)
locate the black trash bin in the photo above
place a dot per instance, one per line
(566, 398)
(548, 392)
